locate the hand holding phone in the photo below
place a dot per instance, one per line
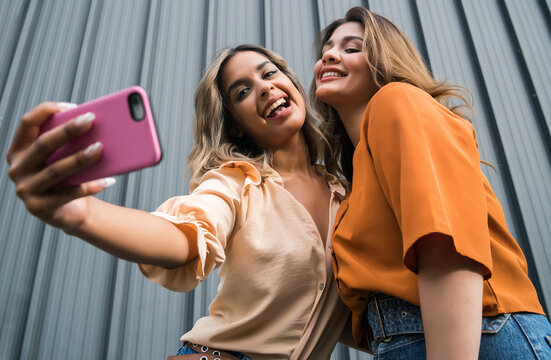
(123, 124)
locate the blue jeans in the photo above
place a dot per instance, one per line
(188, 348)
(508, 336)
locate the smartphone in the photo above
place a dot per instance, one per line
(123, 124)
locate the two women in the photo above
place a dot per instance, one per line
(421, 230)
(422, 254)
(261, 209)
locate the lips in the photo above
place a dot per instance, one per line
(331, 73)
(275, 106)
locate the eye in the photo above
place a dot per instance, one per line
(268, 74)
(351, 50)
(241, 93)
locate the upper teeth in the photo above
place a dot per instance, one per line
(274, 105)
(330, 73)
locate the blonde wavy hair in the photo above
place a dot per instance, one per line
(391, 57)
(216, 143)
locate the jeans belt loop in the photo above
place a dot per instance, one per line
(383, 336)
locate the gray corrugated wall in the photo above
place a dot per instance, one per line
(62, 298)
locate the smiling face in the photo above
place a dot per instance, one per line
(262, 100)
(342, 75)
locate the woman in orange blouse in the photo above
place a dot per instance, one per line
(260, 209)
(421, 231)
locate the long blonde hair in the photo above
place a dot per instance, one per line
(391, 57)
(215, 143)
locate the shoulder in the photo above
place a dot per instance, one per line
(232, 175)
(397, 96)
(398, 106)
(400, 110)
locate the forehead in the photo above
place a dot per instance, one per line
(240, 65)
(347, 29)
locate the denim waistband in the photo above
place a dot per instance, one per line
(388, 316)
(197, 348)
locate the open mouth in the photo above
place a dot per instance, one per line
(277, 107)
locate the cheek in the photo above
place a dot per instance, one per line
(240, 115)
(361, 68)
(317, 68)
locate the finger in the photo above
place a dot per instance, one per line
(69, 194)
(60, 170)
(47, 143)
(29, 127)
(44, 206)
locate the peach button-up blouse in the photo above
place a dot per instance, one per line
(277, 298)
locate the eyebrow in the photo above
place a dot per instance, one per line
(345, 39)
(239, 82)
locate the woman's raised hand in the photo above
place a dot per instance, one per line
(36, 183)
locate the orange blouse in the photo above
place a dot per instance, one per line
(417, 172)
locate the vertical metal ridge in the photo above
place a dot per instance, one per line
(205, 51)
(421, 35)
(546, 11)
(88, 44)
(18, 31)
(264, 16)
(268, 26)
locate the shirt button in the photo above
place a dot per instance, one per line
(322, 286)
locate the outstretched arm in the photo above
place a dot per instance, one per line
(127, 233)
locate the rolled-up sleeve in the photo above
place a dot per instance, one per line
(427, 163)
(207, 216)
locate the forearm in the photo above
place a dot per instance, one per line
(450, 291)
(135, 235)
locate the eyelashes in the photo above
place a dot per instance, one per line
(242, 92)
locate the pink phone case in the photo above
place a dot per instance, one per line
(128, 144)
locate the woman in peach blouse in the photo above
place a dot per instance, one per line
(260, 209)
(422, 254)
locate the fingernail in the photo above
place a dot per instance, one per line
(92, 149)
(84, 119)
(109, 181)
(64, 106)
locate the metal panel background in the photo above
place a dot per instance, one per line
(62, 298)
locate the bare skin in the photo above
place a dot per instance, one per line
(308, 187)
(450, 285)
(450, 291)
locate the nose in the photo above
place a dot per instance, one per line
(265, 88)
(330, 56)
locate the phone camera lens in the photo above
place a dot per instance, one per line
(136, 106)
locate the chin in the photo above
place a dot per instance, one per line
(328, 96)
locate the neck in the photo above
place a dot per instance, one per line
(292, 157)
(351, 117)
